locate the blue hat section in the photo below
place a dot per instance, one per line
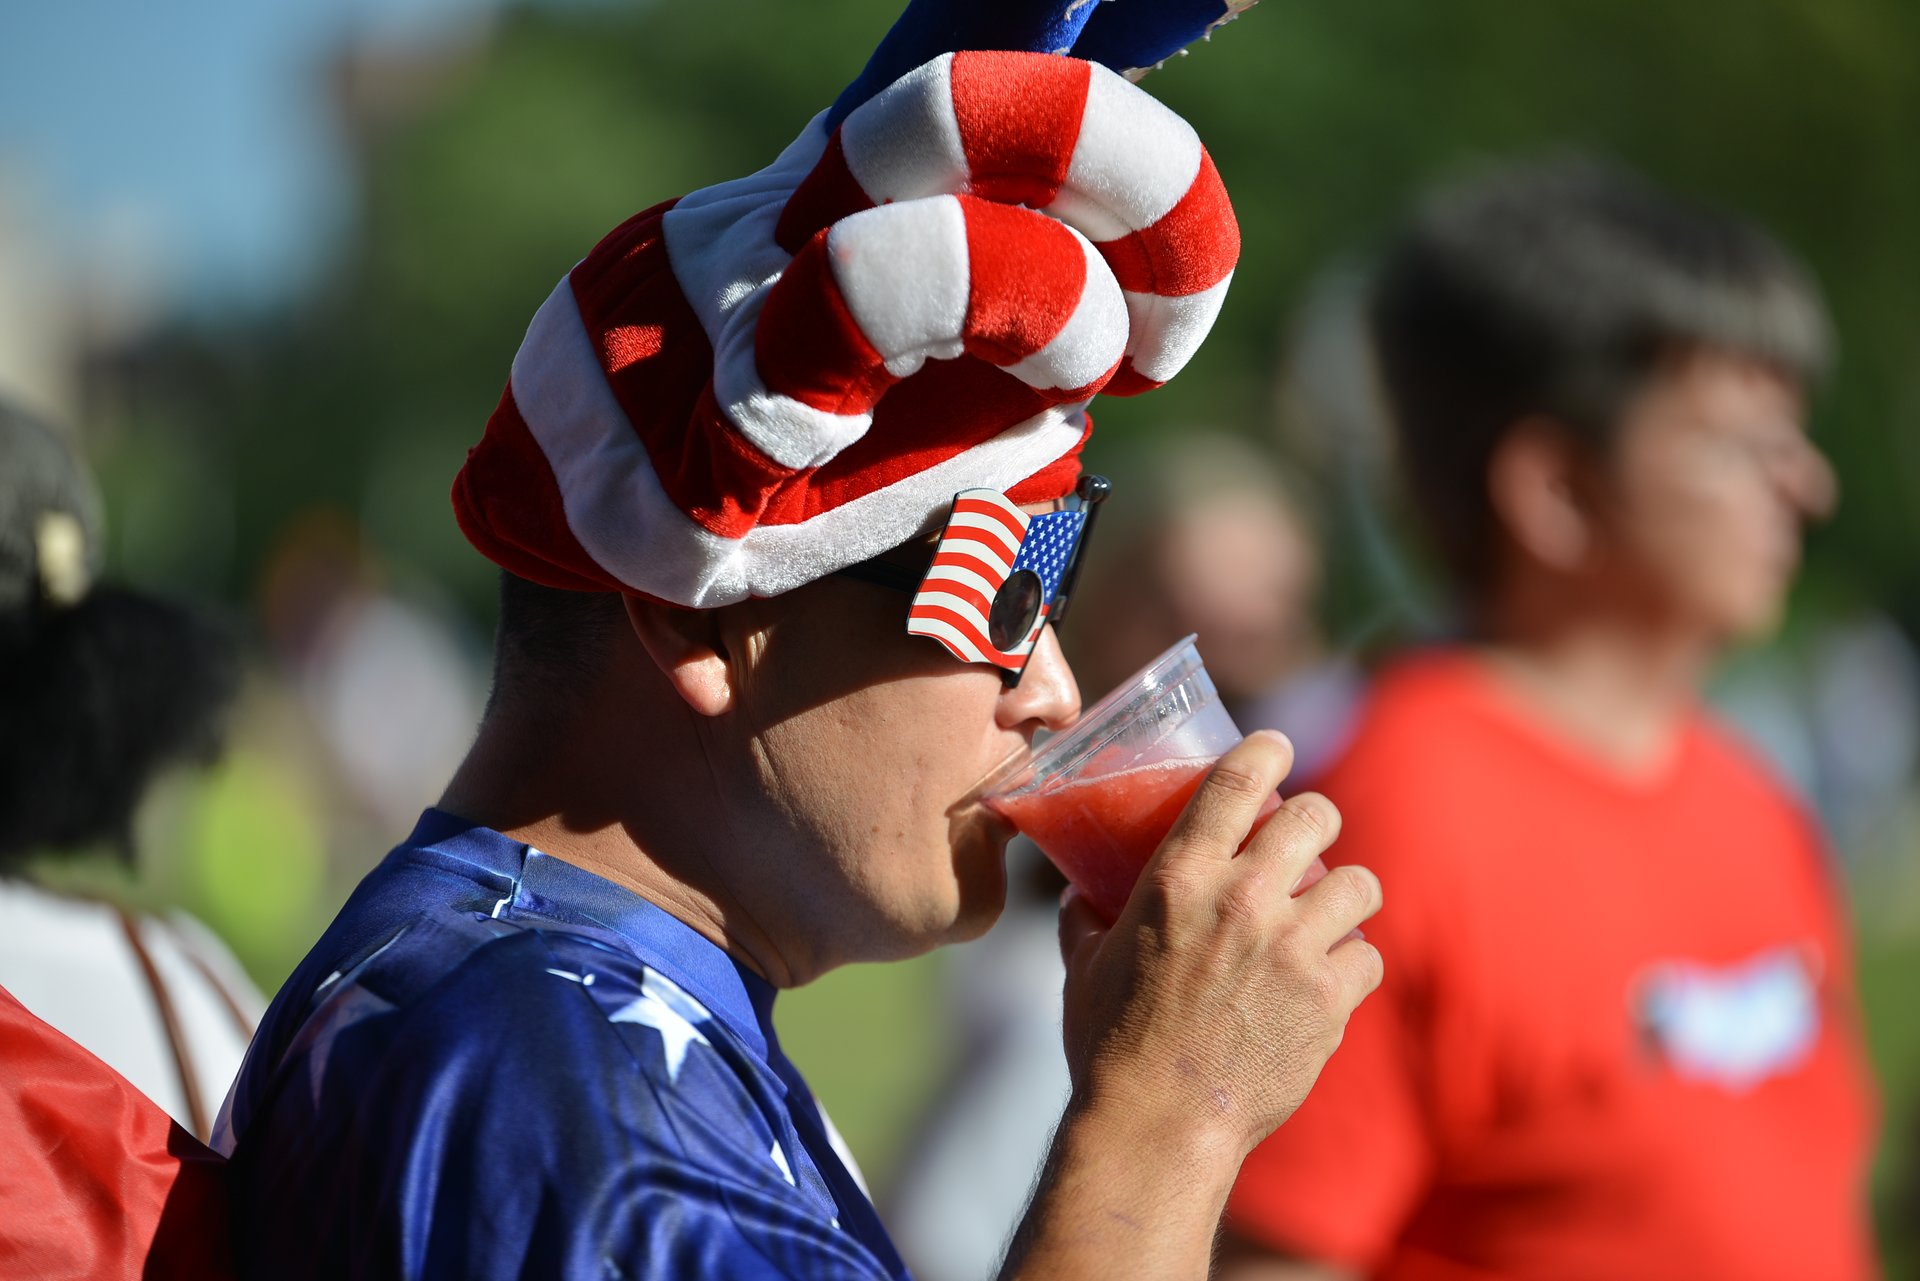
(1121, 34)
(1125, 34)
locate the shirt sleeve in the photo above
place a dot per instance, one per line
(99, 1181)
(1339, 1181)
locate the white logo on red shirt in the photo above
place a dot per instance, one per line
(1736, 1025)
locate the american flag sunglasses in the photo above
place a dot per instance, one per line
(997, 576)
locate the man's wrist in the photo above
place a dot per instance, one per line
(1178, 1136)
(1127, 1182)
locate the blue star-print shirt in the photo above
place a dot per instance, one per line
(495, 1064)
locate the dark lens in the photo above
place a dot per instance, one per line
(1015, 606)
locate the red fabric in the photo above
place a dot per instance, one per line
(508, 505)
(1057, 479)
(1193, 246)
(1128, 381)
(809, 346)
(1494, 1110)
(825, 196)
(945, 409)
(1028, 273)
(622, 345)
(716, 475)
(709, 470)
(660, 366)
(510, 509)
(96, 1181)
(1019, 118)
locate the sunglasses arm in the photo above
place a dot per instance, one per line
(1092, 491)
(884, 574)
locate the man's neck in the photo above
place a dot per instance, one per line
(577, 806)
(1616, 687)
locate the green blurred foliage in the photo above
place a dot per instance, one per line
(1888, 964)
(257, 862)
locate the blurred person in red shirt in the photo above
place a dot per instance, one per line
(1598, 392)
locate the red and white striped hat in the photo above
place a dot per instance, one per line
(746, 389)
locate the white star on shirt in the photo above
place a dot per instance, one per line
(780, 1159)
(669, 1011)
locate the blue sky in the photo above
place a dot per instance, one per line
(192, 133)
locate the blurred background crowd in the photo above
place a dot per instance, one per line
(272, 262)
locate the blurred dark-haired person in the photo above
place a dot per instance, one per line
(101, 689)
(1598, 391)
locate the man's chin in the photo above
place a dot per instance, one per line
(979, 845)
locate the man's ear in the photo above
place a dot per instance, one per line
(1534, 486)
(685, 645)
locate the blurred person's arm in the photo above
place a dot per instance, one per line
(1194, 1027)
(100, 1181)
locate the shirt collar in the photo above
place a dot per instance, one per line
(534, 884)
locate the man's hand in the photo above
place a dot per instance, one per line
(1196, 1024)
(1217, 997)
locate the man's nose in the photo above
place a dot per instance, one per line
(1807, 480)
(1047, 691)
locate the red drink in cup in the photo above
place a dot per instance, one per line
(1100, 831)
(1098, 798)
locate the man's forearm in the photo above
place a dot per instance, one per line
(1123, 1193)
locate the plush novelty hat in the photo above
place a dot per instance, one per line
(765, 381)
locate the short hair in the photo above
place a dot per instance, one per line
(1558, 289)
(549, 643)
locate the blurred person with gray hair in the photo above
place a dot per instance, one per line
(1598, 391)
(102, 688)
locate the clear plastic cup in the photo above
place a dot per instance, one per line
(1100, 796)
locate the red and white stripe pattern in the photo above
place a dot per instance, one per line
(770, 379)
(1072, 139)
(975, 555)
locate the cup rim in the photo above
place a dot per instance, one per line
(1182, 656)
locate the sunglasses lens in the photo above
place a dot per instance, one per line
(1015, 607)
